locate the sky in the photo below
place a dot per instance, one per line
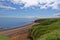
(30, 8)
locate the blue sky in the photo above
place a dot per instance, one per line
(29, 8)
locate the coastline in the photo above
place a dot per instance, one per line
(20, 33)
(16, 27)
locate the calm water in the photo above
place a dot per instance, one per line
(14, 22)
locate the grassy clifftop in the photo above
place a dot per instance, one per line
(48, 29)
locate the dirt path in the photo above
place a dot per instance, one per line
(18, 33)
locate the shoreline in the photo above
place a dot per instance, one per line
(16, 27)
(20, 33)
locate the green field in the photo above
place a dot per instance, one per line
(48, 29)
(3, 37)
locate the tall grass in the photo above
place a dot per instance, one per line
(3, 37)
(45, 27)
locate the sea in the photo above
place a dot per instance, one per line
(7, 23)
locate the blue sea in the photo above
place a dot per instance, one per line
(6, 23)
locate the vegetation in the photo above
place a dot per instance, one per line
(3, 37)
(48, 29)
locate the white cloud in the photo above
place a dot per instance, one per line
(2, 0)
(58, 14)
(7, 7)
(43, 4)
(20, 16)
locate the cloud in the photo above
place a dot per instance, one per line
(7, 7)
(20, 17)
(2, 5)
(2, 0)
(43, 4)
(58, 14)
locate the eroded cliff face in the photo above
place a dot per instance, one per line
(23, 36)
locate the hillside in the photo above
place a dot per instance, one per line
(47, 29)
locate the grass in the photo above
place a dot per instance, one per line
(46, 27)
(3, 37)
